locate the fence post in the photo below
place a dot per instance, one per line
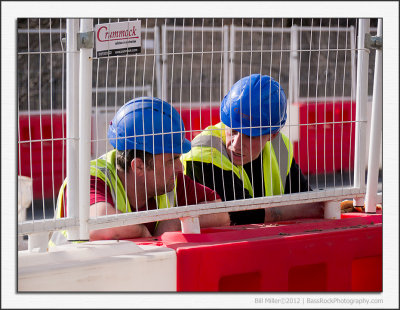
(361, 111)
(375, 132)
(72, 117)
(85, 108)
(190, 225)
(332, 210)
(38, 242)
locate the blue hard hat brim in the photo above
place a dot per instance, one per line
(186, 146)
(253, 131)
(154, 145)
(256, 132)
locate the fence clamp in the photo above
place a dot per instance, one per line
(374, 42)
(85, 39)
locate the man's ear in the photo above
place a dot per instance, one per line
(274, 135)
(137, 166)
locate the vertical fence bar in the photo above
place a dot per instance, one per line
(232, 58)
(164, 62)
(361, 110)
(72, 117)
(157, 51)
(375, 132)
(294, 65)
(353, 62)
(85, 107)
(226, 60)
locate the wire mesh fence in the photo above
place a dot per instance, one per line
(192, 63)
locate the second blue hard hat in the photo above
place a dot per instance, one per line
(255, 105)
(148, 124)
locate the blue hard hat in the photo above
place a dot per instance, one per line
(148, 124)
(243, 111)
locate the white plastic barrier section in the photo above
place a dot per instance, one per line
(24, 196)
(24, 202)
(98, 266)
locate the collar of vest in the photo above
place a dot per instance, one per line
(109, 170)
(214, 137)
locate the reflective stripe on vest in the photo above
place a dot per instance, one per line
(104, 168)
(279, 147)
(209, 147)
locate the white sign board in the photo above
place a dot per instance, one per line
(115, 39)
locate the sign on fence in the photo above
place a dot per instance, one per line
(115, 39)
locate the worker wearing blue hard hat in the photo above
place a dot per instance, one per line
(143, 172)
(246, 155)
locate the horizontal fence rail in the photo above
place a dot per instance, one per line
(191, 211)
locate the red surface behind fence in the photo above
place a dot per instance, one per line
(330, 146)
(196, 119)
(42, 159)
(304, 255)
(48, 159)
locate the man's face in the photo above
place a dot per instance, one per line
(243, 149)
(160, 176)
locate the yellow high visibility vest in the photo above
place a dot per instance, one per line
(105, 169)
(209, 147)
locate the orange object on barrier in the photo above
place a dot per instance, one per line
(347, 206)
(304, 255)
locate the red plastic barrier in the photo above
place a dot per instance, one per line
(305, 255)
(326, 147)
(40, 159)
(196, 119)
(329, 147)
(48, 159)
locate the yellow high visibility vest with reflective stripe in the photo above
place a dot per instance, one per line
(105, 169)
(209, 147)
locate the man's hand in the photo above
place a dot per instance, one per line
(115, 233)
(285, 213)
(167, 225)
(206, 220)
(216, 219)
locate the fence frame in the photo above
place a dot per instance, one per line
(188, 215)
(361, 110)
(72, 118)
